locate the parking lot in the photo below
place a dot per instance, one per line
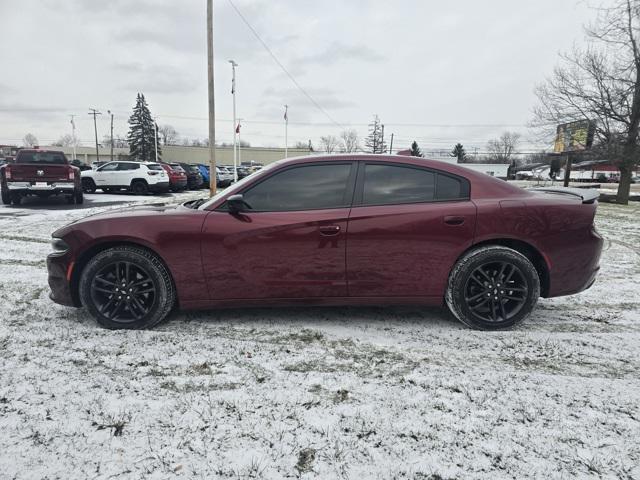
(327, 392)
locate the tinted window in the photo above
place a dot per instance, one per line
(155, 167)
(449, 188)
(389, 185)
(128, 166)
(109, 167)
(54, 158)
(302, 188)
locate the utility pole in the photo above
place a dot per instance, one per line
(155, 136)
(73, 135)
(391, 145)
(212, 110)
(235, 177)
(235, 128)
(109, 112)
(286, 131)
(95, 112)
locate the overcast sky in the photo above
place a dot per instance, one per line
(436, 71)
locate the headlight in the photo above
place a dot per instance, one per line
(59, 246)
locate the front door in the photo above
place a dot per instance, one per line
(291, 243)
(407, 227)
(107, 175)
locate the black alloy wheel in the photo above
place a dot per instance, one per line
(127, 287)
(496, 291)
(123, 292)
(492, 287)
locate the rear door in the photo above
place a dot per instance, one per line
(126, 171)
(292, 242)
(407, 227)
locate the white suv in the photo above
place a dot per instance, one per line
(138, 177)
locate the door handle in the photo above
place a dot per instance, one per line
(453, 220)
(329, 230)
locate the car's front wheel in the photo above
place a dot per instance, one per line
(127, 287)
(492, 287)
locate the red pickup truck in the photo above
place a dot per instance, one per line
(42, 173)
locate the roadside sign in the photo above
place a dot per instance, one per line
(574, 136)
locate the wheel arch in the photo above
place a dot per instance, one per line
(532, 253)
(83, 259)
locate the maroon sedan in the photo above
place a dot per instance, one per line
(335, 230)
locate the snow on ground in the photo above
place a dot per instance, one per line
(317, 392)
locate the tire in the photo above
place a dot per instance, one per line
(78, 197)
(6, 197)
(98, 280)
(16, 199)
(139, 187)
(88, 185)
(487, 271)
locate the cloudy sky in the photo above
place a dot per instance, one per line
(435, 71)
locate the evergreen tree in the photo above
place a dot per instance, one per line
(415, 150)
(375, 140)
(142, 133)
(458, 151)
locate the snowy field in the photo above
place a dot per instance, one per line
(318, 393)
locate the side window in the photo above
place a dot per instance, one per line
(450, 188)
(391, 185)
(309, 187)
(109, 167)
(128, 166)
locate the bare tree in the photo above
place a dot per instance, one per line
(501, 150)
(30, 140)
(602, 83)
(66, 140)
(330, 143)
(350, 141)
(168, 134)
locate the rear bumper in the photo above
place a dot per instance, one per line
(48, 187)
(59, 269)
(159, 187)
(178, 183)
(576, 269)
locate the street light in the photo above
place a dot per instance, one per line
(233, 92)
(109, 112)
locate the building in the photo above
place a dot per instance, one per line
(186, 154)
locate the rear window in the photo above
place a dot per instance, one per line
(177, 168)
(155, 167)
(50, 158)
(193, 168)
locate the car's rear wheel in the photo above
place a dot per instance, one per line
(16, 198)
(492, 287)
(6, 197)
(139, 187)
(78, 197)
(88, 185)
(127, 287)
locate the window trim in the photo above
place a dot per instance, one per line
(348, 196)
(359, 190)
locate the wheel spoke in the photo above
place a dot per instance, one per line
(471, 299)
(103, 290)
(99, 278)
(493, 310)
(502, 310)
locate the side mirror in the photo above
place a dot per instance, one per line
(236, 204)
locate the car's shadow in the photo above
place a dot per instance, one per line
(302, 316)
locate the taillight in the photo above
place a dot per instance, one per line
(72, 174)
(152, 172)
(7, 172)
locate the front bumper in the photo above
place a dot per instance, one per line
(35, 187)
(59, 268)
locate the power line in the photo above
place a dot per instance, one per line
(275, 59)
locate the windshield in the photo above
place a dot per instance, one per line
(238, 185)
(55, 158)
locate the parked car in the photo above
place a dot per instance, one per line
(194, 177)
(42, 173)
(177, 177)
(80, 164)
(418, 232)
(137, 177)
(204, 171)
